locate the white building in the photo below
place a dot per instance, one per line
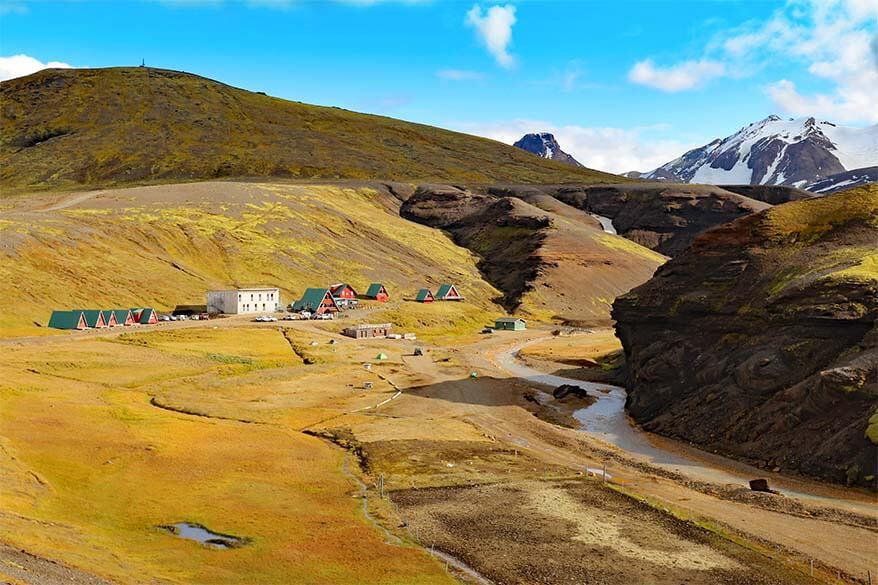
(243, 300)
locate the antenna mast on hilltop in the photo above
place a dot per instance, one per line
(143, 62)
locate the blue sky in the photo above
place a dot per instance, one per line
(624, 85)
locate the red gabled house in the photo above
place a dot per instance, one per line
(343, 291)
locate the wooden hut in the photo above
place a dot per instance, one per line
(448, 292)
(424, 296)
(67, 320)
(377, 292)
(316, 300)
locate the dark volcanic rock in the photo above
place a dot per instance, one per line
(760, 340)
(483, 223)
(664, 217)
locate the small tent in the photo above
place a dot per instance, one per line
(425, 296)
(377, 292)
(67, 320)
(381, 356)
(448, 292)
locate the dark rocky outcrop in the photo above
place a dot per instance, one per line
(760, 340)
(505, 236)
(549, 259)
(662, 216)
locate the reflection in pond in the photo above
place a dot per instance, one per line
(206, 537)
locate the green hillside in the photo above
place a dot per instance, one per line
(64, 128)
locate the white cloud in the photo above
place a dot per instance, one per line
(494, 29)
(616, 150)
(679, 77)
(835, 41)
(21, 65)
(459, 75)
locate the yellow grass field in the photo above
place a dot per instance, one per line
(91, 469)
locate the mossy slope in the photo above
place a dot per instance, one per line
(63, 128)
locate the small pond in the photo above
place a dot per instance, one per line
(206, 537)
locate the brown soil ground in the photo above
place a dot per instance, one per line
(574, 532)
(18, 567)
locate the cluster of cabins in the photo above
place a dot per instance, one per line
(100, 318)
(343, 296)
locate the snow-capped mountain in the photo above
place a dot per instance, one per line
(544, 144)
(776, 151)
(845, 180)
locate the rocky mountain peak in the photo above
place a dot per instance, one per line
(544, 144)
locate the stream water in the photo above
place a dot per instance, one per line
(606, 223)
(607, 420)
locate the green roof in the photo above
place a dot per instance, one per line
(92, 316)
(444, 289)
(145, 315)
(65, 319)
(122, 315)
(374, 289)
(423, 294)
(311, 300)
(509, 319)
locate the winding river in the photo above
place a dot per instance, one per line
(607, 420)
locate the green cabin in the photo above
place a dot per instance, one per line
(67, 320)
(316, 300)
(93, 317)
(448, 292)
(510, 324)
(424, 296)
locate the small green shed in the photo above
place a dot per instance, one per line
(510, 324)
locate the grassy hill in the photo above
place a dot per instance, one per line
(165, 245)
(101, 127)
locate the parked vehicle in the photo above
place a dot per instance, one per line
(292, 317)
(305, 314)
(165, 318)
(323, 317)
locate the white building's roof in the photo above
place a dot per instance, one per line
(248, 289)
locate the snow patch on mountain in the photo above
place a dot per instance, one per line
(776, 151)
